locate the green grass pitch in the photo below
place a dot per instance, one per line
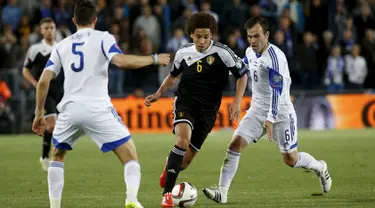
(94, 179)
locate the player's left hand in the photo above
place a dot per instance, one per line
(235, 111)
(39, 125)
(268, 125)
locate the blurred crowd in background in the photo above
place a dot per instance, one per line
(330, 44)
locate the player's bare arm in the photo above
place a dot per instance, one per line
(136, 62)
(41, 94)
(235, 107)
(29, 77)
(167, 84)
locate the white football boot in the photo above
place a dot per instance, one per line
(217, 194)
(324, 178)
(45, 163)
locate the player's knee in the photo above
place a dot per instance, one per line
(290, 159)
(50, 127)
(182, 142)
(238, 144)
(58, 155)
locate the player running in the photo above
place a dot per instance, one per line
(271, 112)
(204, 67)
(36, 58)
(86, 106)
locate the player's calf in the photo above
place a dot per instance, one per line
(132, 170)
(183, 133)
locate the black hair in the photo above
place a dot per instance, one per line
(84, 11)
(201, 20)
(257, 20)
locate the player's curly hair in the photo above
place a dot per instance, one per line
(201, 20)
(46, 20)
(84, 11)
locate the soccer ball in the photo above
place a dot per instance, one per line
(184, 195)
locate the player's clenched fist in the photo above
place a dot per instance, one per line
(39, 125)
(151, 99)
(164, 59)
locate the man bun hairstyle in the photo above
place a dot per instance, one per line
(201, 20)
(84, 11)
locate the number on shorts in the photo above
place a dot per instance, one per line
(255, 76)
(287, 136)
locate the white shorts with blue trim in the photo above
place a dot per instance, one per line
(284, 131)
(104, 127)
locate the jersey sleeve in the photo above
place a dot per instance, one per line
(109, 46)
(29, 59)
(177, 68)
(54, 62)
(235, 65)
(276, 81)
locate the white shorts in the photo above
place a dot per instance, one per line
(104, 127)
(284, 131)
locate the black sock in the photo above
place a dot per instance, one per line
(46, 144)
(173, 167)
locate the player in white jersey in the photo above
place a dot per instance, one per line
(86, 106)
(271, 112)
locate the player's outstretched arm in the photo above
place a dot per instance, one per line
(167, 84)
(29, 77)
(136, 62)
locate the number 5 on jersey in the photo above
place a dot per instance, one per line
(76, 51)
(199, 66)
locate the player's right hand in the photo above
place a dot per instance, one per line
(164, 59)
(151, 99)
(39, 125)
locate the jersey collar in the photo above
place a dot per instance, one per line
(45, 43)
(258, 55)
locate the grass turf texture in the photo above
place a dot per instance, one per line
(94, 179)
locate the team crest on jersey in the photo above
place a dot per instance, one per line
(277, 78)
(210, 60)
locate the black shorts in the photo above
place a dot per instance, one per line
(50, 106)
(200, 122)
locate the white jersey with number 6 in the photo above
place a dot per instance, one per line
(86, 106)
(270, 99)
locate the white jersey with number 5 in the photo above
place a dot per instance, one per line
(84, 57)
(270, 83)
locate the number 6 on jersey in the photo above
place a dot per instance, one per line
(199, 66)
(76, 51)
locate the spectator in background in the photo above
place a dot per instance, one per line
(296, 14)
(234, 14)
(349, 25)
(368, 51)
(290, 35)
(206, 7)
(317, 22)
(44, 10)
(182, 20)
(335, 71)
(339, 20)
(356, 68)
(7, 119)
(9, 50)
(269, 11)
(150, 24)
(347, 42)
(177, 40)
(190, 4)
(11, 15)
(365, 20)
(24, 28)
(104, 15)
(306, 57)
